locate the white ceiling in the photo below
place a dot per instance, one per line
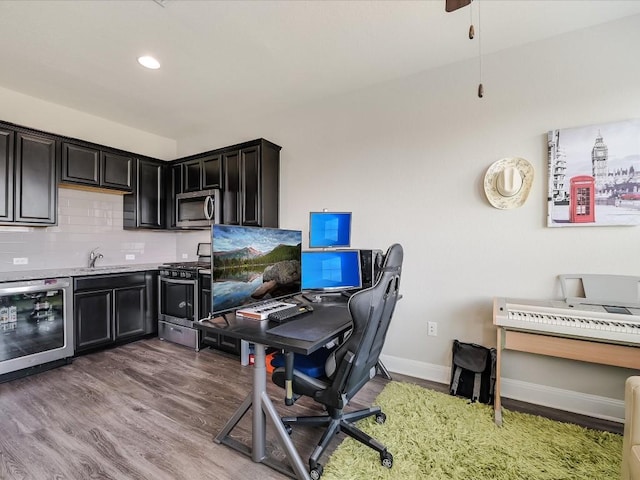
(228, 59)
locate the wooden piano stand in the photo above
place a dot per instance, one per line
(583, 350)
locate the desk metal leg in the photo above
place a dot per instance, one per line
(263, 408)
(497, 403)
(383, 370)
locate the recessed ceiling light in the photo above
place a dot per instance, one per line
(149, 62)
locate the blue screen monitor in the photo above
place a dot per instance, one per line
(331, 270)
(253, 264)
(329, 229)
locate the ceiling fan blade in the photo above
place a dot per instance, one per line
(452, 5)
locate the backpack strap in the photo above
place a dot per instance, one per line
(455, 381)
(477, 380)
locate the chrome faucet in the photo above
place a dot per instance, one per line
(93, 256)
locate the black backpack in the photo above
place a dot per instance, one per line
(473, 372)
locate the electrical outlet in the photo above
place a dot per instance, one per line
(432, 329)
(185, 256)
(129, 256)
(20, 261)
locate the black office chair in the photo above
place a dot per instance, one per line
(350, 366)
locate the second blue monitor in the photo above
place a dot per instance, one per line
(329, 270)
(329, 229)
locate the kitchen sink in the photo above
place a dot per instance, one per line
(101, 269)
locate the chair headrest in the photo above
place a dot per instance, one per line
(393, 259)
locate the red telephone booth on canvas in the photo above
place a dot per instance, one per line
(582, 200)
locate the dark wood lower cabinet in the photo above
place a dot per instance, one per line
(129, 311)
(221, 342)
(93, 319)
(112, 309)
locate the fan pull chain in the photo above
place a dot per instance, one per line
(480, 86)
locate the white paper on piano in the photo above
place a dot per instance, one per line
(614, 290)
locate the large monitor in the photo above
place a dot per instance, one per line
(329, 229)
(331, 270)
(253, 264)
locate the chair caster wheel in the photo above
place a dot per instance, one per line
(381, 418)
(316, 473)
(288, 428)
(386, 459)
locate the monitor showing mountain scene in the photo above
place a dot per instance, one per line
(253, 264)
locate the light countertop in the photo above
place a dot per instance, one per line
(74, 272)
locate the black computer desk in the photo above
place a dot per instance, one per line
(327, 322)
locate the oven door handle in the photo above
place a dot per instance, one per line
(32, 288)
(182, 282)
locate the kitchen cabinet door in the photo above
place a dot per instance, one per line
(35, 179)
(93, 313)
(192, 171)
(173, 188)
(80, 165)
(116, 171)
(211, 171)
(144, 208)
(6, 175)
(231, 201)
(251, 188)
(129, 311)
(150, 194)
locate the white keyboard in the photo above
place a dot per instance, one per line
(560, 318)
(262, 310)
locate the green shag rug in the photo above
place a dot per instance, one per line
(433, 435)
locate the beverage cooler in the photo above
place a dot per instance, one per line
(36, 325)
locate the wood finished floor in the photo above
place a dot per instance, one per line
(150, 410)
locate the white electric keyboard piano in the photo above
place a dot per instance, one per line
(605, 323)
(598, 323)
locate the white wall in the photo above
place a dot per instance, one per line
(408, 158)
(49, 117)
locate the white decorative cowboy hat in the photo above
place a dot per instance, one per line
(507, 182)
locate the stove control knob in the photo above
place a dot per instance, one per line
(174, 274)
(183, 274)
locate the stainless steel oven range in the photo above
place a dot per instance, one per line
(36, 326)
(178, 299)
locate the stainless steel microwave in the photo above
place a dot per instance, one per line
(198, 209)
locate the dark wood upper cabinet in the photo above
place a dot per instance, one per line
(145, 207)
(36, 190)
(231, 203)
(191, 176)
(173, 188)
(211, 171)
(202, 173)
(6, 175)
(251, 185)
(80, 164)
(94, 167)
(116, 170)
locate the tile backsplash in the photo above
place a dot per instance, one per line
(87, 220)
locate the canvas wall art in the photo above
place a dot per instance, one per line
(594, 175)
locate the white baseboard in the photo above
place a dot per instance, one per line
(567, 400)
